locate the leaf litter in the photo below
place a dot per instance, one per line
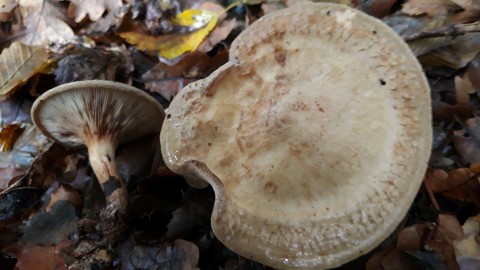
(49, 201)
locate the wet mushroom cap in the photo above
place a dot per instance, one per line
(315, 136)
(77, 111)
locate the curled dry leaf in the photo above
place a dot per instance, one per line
(18, 63)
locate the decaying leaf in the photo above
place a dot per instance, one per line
(8, 136)
(94, 9)
(44, 22)
(18, 63)
(175, 45)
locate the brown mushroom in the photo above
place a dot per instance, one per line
(100, 115)
(315, 136)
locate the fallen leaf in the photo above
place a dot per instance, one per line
(175, 45)
(430, 7)
(169, 80)
(18, 63)
(94, 9)
(44, 22)
(218, 34)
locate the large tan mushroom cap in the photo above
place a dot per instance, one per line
(74, 112)
(315, 136)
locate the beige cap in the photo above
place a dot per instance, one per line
(74, 112)
(315, 136)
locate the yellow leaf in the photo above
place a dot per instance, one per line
(18, 63)
(172, 46)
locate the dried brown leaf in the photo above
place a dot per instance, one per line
(18, 63)
(439, 180)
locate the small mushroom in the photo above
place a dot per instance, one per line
(315, 136)
(99, 115)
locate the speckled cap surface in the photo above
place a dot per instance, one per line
(315, 136)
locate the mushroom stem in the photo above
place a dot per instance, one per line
(101, 153)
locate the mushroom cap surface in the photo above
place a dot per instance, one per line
(315, 136)
(75, 112)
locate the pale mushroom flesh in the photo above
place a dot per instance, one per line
(100, 115)
(315, 136)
